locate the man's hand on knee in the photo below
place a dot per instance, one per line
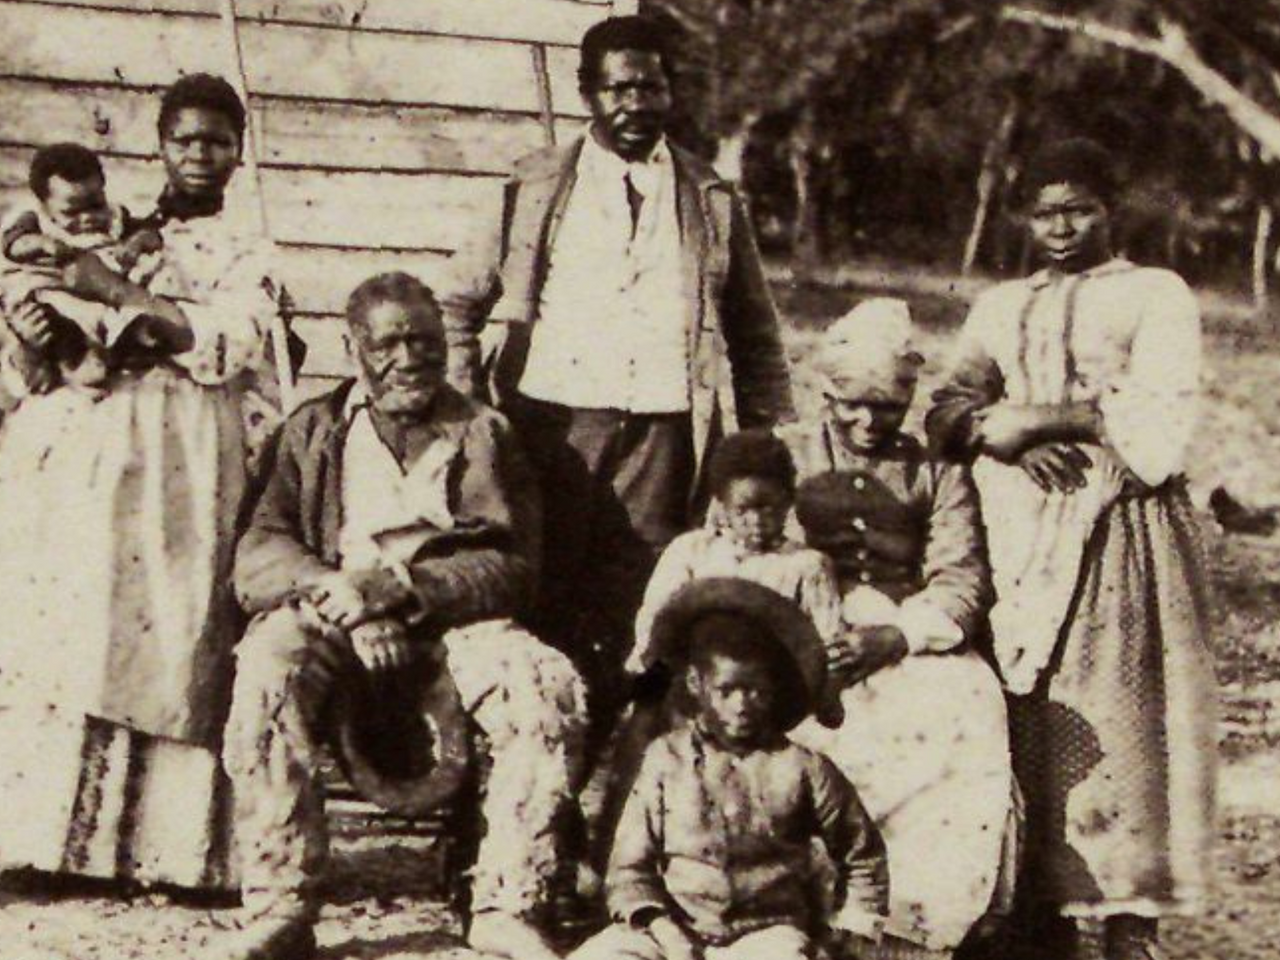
(348, 598)
(381, 645)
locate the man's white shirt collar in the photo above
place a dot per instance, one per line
(607, 165)
(357, 400)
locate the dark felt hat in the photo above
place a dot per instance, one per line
(779, 618)
(403, 741)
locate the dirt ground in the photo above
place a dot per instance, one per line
(383, 904)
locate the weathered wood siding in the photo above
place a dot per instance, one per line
(384, 126)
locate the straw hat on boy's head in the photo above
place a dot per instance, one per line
(774, 616)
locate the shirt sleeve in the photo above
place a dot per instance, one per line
(957, 588)
(749, 319)
(857, 848)
(273, 565)
(22, 223)
(469, 291)
(634, 880)
(1149, 411)
(820, 597)
(674, 569)
(973, 381)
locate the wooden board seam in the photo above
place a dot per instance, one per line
(265, 99)
(357, 247)
(291, 23)
(297, 167)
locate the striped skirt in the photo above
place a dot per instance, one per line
(1116, 748)
(93, 798)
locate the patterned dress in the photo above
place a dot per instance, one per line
(118, 516)
(1115, 745)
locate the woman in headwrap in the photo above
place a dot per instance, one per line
(118, 516)
(924, 737)
(1074, 391)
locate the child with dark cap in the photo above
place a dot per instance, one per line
(713, 856)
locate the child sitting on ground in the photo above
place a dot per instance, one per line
(64, 257)
(713, 855)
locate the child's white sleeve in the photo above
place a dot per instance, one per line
(675, 568)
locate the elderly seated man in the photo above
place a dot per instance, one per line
(397, 515)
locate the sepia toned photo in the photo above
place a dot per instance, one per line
(639, 479)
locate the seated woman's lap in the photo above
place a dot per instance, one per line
(926, 743)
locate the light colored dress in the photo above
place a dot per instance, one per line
(118, 517)
(925, 740)
(1115, 743)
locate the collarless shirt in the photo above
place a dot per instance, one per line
(388, 508)
(725, 839)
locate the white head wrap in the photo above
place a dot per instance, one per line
(867, 353)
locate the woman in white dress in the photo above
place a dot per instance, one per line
(118, 515)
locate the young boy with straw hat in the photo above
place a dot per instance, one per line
(713, 854)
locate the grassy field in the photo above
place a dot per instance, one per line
(381, 905)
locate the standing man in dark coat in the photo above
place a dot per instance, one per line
(619, 314)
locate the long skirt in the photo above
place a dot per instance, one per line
(117, 519)
(1116, 748)
(925, 742)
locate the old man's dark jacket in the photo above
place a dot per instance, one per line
(484, 566)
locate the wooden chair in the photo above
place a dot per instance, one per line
(407, 765)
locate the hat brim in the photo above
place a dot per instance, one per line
(403, 743)
(781, 619)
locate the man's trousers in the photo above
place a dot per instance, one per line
(524, 696)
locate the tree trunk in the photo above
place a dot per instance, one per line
(1261, 264)
(731, 151)
(1173, 245)
(1172, 45)
(993, 158)
(802, 222)
(804, 227)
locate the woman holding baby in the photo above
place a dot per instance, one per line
(122, 473)
(924, 734)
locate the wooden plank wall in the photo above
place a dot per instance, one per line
(385, 126)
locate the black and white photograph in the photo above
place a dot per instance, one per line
(639, 479)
